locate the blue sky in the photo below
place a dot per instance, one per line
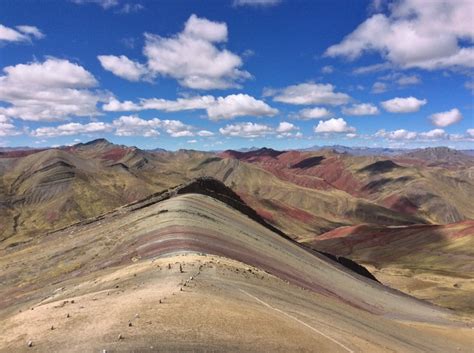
(237, 73)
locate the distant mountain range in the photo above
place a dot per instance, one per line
(355, 151)
(380, 151)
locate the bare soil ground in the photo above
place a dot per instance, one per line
(448, 291)
(226, 306)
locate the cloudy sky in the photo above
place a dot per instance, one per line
(237, 73)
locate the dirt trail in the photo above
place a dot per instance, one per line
(216, 304)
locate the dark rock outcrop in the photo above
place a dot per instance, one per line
(350, 264)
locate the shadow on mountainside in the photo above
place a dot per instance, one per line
(381, 167)
(308, 163)
(426, 261)
(416, 247)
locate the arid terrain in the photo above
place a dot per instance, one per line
(237, 176)
(108, 247)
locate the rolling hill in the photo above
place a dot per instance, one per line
(195, 268)
(429, 192)
(306, 195)
(49, 189)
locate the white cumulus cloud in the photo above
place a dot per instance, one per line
(403, 105)
(7, 128)
(308, 93)
(193, 58)
(406, 80)
(205, 133)
(255, 130)
(285, 126)
(123, 67)
(46, 91)
(72, 129)
(400, 134)
(228, 107)
(246, 130)
(447, 118)
(236, 105)
(22, 33)
(434, 134)
(180, 104)
(286, 129)
(417, 33)
(334, 125)
(176, 128)
(361, 109)
(132, 125)
(313, 113)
